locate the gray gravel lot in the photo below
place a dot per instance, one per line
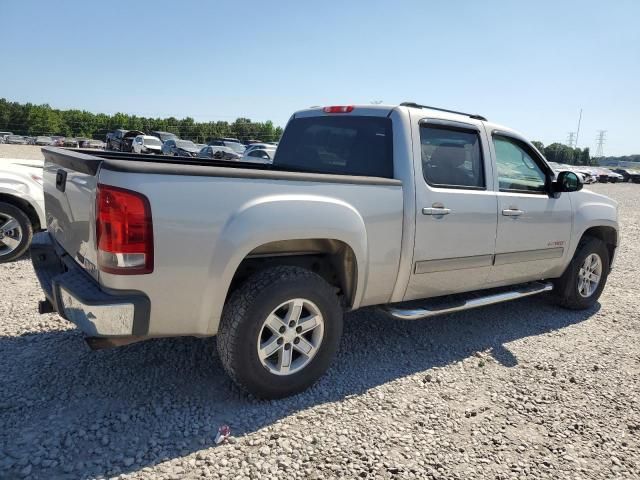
(518, 390)
(28, 152)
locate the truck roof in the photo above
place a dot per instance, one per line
(381, 110)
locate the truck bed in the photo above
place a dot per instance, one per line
(88, 161)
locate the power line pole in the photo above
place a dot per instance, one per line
(600, 139)
(578, 131)
(571, 136)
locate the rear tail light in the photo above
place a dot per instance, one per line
(338, 109)
(124, 231)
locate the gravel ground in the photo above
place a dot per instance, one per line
(28, 152)
(517, 390)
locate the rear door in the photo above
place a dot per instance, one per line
(70, 181)
(455, 209)
(534, 228)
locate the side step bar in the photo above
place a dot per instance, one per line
(424, 312)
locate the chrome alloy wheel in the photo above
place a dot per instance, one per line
(290, 336)
(589, 275)
(10, 234)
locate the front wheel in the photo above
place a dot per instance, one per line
(280, 331)
(582, 283)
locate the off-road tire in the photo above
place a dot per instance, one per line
(26, 227)
(566, 287)
(242, 320)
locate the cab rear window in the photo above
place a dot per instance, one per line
(346, 145)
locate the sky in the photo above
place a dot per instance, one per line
(529, 65)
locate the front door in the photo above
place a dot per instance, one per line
(455, 209)
(534, 228)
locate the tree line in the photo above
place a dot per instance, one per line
(559, 153)
(32, 120)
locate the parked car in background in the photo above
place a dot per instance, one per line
(260, 155)
(15, 140)
(21, 206)
(163, 136)
(614, 177)
(216, 152)
(43, 140)
(200, 146)
(4, 135)
(628, 174)
(604, 175)
(179, 148)
(146, 144)
(70, 142)
(232, 143)
(261, 145)
(588, 175)
(30, 140)
(120, 139)
(92, 143)
(57, 140)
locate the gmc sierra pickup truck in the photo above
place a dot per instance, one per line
(418, 210)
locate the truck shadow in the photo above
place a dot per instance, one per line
(73, 412)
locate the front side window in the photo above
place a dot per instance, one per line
(517, 170)
(451, 157)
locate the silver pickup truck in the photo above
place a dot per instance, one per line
(418, 210)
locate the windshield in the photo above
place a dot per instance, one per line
(152, 141)
(237, 147)
(185, 144)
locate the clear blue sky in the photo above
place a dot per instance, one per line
(529, 65)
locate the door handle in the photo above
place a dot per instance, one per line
(512, 212)
(436, 211)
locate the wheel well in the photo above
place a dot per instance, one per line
(333, 260)
(25, 206)
(608, 235)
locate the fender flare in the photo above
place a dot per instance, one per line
(275, 218)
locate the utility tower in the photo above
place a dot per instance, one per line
(600, 139)
(571, 139)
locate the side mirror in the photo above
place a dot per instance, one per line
(567, 182)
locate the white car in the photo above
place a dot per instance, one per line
(21, 206)
(259, 155)
(146, 144)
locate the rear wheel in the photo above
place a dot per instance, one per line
(280, 331)
(16, 232)
(582, 283)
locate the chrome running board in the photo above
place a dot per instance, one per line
(417, 313)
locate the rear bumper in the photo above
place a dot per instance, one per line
(77, 297)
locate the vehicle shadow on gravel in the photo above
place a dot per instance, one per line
(68, 411)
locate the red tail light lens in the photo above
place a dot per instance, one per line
(338, 109)
(124, 231)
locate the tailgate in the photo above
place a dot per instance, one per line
(70, 180)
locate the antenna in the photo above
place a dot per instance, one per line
(600, 139)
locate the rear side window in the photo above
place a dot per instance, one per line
(340, 145)
(451, 157)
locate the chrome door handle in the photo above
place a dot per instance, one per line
(436, 211)
(512, 212)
